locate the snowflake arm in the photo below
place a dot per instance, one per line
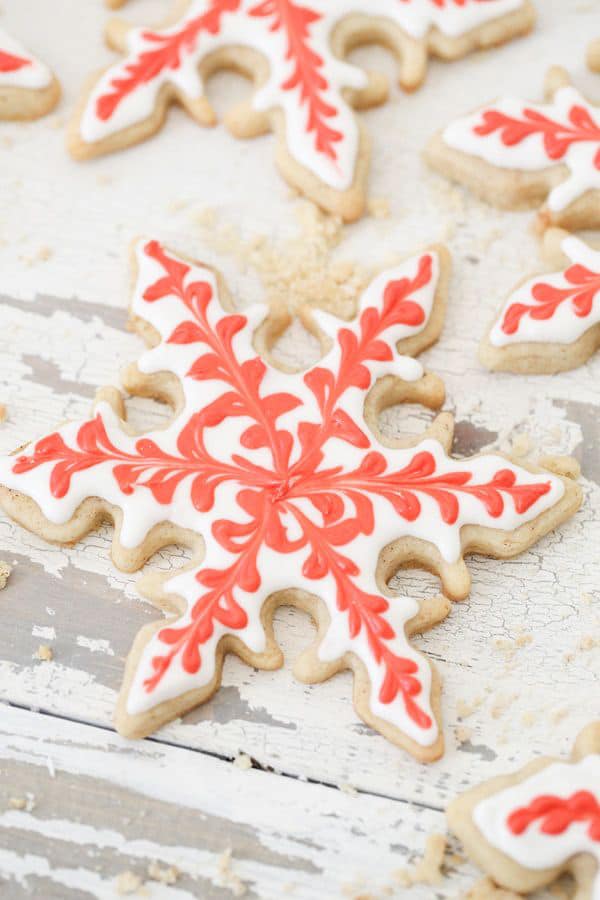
(28, 88)
(550, 322)
(294, 51)
(544, 820)
(514, 154)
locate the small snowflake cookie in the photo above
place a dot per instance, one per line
(526, 830)
(287, 491)
(28, 89)
(550, 323)
(516, 154)
(294, 53)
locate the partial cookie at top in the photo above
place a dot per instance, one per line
(526, 830)
(516, 154)
(549, 323)
(294, 53)
(28, 89)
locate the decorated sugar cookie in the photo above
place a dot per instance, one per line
(551, 322)
(286, 490)
(294, 53)
(28, 88)
(527, 829)
(518, 154)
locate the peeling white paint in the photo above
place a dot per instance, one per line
(44, 631)
(95, 645)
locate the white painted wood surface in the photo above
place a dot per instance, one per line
(64, 230)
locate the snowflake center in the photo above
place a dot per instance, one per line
(281, 490)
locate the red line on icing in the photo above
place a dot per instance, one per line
(584, 287)
(557, 814)
(11, 63)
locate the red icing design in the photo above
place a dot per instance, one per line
(557, 136)
(585, 285)
(271, 495)
(307, 76)
(556, 814)
(168, 53)
(11, 63)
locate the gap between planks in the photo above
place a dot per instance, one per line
(256, 766)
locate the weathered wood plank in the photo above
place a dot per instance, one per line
(104, 806)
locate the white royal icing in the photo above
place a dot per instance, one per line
(243, 28)
(223, 441)
(533, 849)
(565, 326)
(33, 76)
(529, 154)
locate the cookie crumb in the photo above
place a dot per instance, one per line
(521, 446)
(168, 875)
(463, 734)
(501, 705)
(558, 715)
(297, 272)
(3, 413)
(379, 207)
(527, 719)
(228, 878)
(465, 709)
(128, 883)
(243, 762)
(5, 571)
(348, 789)
(44, 253)
(177, 205)
(510, 647)
(26, 803)
(44, 653)
(428, 869)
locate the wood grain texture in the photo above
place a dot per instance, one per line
(64, 230)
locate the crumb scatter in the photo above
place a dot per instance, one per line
(428, 869)
(164, 875)
(5, 571)
(228, 878)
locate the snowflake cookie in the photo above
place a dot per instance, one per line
(525, 830)
(298, 497)
(516, 154)
(550, 323)
(28, 89)
(294, 53)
